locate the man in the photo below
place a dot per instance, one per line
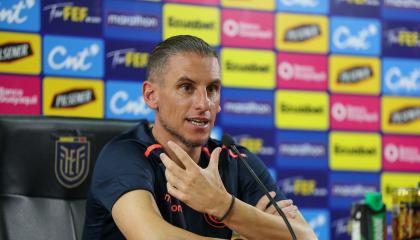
(172, 181)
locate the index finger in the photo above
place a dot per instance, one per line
(182, 155)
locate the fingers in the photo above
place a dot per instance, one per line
(214, 158)
(263, 202)
(289, 211)
(172, 166)
(182, 156)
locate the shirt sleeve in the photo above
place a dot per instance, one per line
(121, 167)
(249, 190)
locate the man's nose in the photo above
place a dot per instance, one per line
(202, 101)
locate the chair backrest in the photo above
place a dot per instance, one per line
(45, 170)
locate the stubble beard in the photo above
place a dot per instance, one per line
(177, 135)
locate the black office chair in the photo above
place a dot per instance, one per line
(45, 169)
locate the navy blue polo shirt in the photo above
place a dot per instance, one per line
(131, 161)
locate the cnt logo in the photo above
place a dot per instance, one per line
(13, 14)
(301, 3)
(59, 58)
(343, 37)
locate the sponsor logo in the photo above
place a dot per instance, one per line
(302, 150)
(20, 15)
(401, 76)
(73, 97)
(302, 33)
(73, 56)
(125, 101)
(409, 4)
(365, 8)
(400, 115)
(355, 151)
(301, 186)
(392, 181)
(405, 115)
(401, 39)
(72, 159)
(343, 39)
(132, 20)
(68, 11)
(340, 225)
(247, 68)
(20, 53)
(249, 4)
(401, 153)
(304, 73)
(10, 52)
(241, 107)
(247, 29)
(203, 22)
(354, 74)
(360, 2)
(358, 113)
(19, 95)
(128, 57)
(294, 110)
(253, 107)
(351, 190)
(301, 3)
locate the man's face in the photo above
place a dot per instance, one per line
(189, 97)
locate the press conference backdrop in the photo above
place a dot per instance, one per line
(325, 92)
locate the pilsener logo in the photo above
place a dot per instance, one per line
(301, 110)
(22, 15)
(401, 76)
(400, 115)
(354, 74)
(355, 36)
(20, 53)
(73, 97)
(203, 22)
(302, 33)
(355, 151)
(304, 6)
(72, 56)
(248, 68)
(401, 153)
(72, 17)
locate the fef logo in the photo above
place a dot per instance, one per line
(74, 16)
(20, 15)
(126, 19)
(355, 36)
(249, 4)
(299, 71)
(304, 6)
(354, 75)
(125, 101)
(400, 115)
(20, 95)
(72, 160)
(306, 188)
(319, 220)
(203, 22)
(401, 39)
(247, 108)
(401, 153)
(302, 33)
(340, 225)
(367, 8)
(301, 110)
(392, 181)
(401, 77)
(247, 29)
(72, 56)
(73, 97)
(347, 188)
(355, 113)
(20, 53)
(355, 151)
(127, 59)
(302, 149)
(248, 68)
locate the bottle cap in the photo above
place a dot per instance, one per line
(374, 200)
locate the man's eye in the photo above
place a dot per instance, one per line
(186, 87)
(212, 89)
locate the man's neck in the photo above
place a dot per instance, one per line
(162, 137)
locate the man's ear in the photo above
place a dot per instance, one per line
(150, 95)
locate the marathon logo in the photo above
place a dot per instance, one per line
(10, 52)
(194, 24)
(355, 74)
(252, 67)
(68, 12)
(351, 190)
(357, 151)
(133, 20)
(312, 150)
(73, 98)
(129, 58)
(302, 33)
(371, 3)
(257, 108)
(13, 15)
(301, 109)
(411, 4)
(405, 115)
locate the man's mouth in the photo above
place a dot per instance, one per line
(198, 122)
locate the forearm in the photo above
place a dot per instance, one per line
(252, 223)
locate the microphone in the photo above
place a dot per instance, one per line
(230, 144)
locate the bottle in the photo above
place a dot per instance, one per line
(368, 218)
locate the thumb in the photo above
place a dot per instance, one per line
(214, 158)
